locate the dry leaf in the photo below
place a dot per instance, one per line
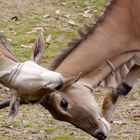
(63, 4)
(14, 33)
(66, 16)
(26, 46)
(37, 29)
(95, 11)
(57, 12)
(71, 22)
(46, 16)
(120, 122)
(86, 14)
(49, 38)
(33, 31)
(17, 22)
(9, 39)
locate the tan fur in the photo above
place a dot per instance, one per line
(4, 49)
(107, 41)
(107, 103)
(106, 54)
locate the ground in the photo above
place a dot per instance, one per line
(59, 21)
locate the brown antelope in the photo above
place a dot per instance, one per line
(109, 52)
(26, 80)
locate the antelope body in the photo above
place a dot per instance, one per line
(108, 53)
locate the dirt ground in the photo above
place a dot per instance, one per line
(33, 121)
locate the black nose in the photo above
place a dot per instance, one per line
(100, 136)
(60, 85)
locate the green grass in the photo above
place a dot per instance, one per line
(56, 25)
(123, 138)
(28, 124)
(65, 138)
(16, 124)
(6, 138)
(49, 130)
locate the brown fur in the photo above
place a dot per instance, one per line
(106, 53)
(83, 35)
(4, 49)
(107, 103)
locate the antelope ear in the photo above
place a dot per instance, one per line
(14, 105)
(68, 82)
(38, 49)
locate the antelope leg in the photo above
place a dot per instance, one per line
(4, 104)
(14, 104)
(114, 97)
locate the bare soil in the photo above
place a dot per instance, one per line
(34, 122)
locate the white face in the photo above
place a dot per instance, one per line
(31, 78)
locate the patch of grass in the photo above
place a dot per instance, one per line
(49, 120)
(124, 138)
(6, 138)
(16, 123)
(3, 118)
(56, 25)
(28, 124)
(137, 90)
(3, 25)
(49, 130)
(65, 138)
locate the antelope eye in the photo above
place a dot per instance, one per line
(64, 104)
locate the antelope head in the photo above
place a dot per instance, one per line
(30, 81)
(74, 103)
